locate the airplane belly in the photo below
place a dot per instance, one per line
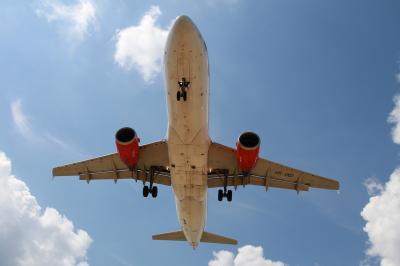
(188, 140)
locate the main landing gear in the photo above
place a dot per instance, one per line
(153, 190)
(183, 87)
(150, 190)
(226, 193)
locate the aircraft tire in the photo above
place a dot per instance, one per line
(146, 191)
(220, 194)
(229, 195)
(154, 192)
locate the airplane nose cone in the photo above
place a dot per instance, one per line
(183, 23)
(183, 20)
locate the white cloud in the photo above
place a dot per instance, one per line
(247, 256)
(394, 118)
(75, 18)
(30, 236)
(20, 119)
(141, 46)
(374, 187)
(382, 214)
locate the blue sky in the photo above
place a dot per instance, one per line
(315, 79)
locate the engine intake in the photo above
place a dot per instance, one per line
(127, 143)
(247, 150)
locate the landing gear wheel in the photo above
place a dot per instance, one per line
(184, 95)
(154, 192)
(220, 194)
(178, 96)
(146, 191)
(229, 195)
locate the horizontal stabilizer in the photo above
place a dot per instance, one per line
(206, 237)
(213, 238)
(175, 236)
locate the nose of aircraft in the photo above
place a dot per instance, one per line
(183, 20)
(183, 23)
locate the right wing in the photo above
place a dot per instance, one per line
(266, 173)
(152, 157)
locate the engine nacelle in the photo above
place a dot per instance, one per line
(247, 150)
(128, 146)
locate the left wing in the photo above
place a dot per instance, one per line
(224, 172)
(152, 158)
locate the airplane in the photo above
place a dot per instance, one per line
(188, 160)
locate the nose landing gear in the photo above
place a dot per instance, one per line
(183, 87)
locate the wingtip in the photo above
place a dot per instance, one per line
(54, 171)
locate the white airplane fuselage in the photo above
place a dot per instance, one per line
(188, 140)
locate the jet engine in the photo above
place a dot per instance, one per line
(128, 146)
(247, 150)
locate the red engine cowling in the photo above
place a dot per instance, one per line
(247, 150)
(128, 146)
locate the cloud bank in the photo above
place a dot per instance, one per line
(247, 256)
(394, 118)
(31, 236)
(74, 19)
(141, 46)
(382, 212)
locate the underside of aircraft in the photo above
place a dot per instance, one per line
(188, 160)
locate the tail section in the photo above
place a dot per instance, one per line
(213, 238)
(206, 237)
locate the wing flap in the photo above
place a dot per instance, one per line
(99, 164)
(111, 167)
(279, 171)
(255, 180)
(159, 178)
(266, 173)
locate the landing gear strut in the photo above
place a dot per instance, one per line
(153, 190)
(183, 87)
(226, 193)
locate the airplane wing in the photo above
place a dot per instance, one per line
(224, 172)
(111, 167)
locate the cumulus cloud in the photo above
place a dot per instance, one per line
(382, 214)
(394, 118)
(247, 256)
(374, 186)
(75, 18)
(141, 46)
(31, 236)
